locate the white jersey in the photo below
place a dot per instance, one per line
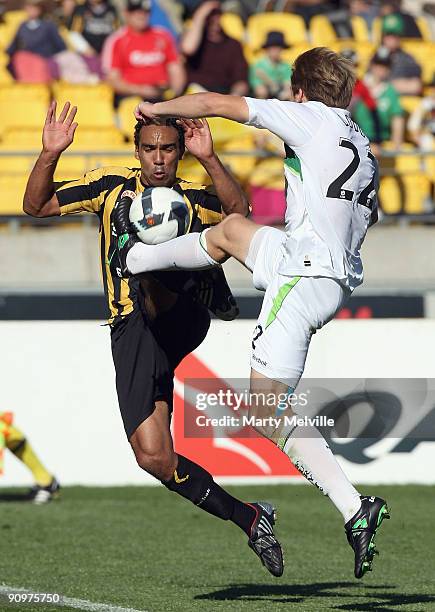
(331, 183)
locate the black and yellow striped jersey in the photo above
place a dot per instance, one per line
(98, 191)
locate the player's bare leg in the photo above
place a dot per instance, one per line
(310, 454)
(153, 448)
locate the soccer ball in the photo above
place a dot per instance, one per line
(159, 214)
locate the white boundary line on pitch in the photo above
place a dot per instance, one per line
(71, 602)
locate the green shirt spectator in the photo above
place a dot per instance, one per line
(388, 106)
(269, 77)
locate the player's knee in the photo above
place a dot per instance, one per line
(160, 464)
(231, 227)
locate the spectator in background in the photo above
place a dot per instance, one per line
(367, 9)
(390, 111)
(405, 72)
(410, 28)
(214, 61)
(269, 77)
(361, 96)
(140, 60)
(35, 42)
(421, 124)
(95, 20)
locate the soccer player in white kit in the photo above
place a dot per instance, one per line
(307, 271)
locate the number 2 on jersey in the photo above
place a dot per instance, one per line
(336, 190)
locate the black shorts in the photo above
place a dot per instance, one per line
(146, 354)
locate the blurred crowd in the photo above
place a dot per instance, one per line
(155, 49)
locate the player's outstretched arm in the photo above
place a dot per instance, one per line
(196, 106)
(39, 198)
(199, 143)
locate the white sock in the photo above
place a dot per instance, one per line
(183, 253)
(310, 454)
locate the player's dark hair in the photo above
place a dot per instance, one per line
(324, 76)
(170, 122)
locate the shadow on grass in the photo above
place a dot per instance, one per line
(374, 597)
(15, 496)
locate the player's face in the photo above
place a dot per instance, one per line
(159, 154)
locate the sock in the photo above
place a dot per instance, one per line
(184, 253)
(310, 454)
(194, 483)
(21, 448)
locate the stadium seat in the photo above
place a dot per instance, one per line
(232, 25)
(391, 195)
(363, 50)
(24, 138)
(126, 160)
(189, 169)
(424, 27)
(72, 167)
(408, 193)
(268, 173)
(126, 119)
(97, 139)
(224, 131)
(23, 105)
(424, 54)
(258, 25)
(12, 189)
(11, 165)
(240, 165)
(322, 32)
(417, 194)
(94, 103)
(410, 103)
(360, 29)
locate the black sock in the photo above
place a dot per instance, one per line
(191, 481)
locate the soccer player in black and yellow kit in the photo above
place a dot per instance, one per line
(156, 320)
(46, 486)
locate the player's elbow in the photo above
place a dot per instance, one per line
(29, 208)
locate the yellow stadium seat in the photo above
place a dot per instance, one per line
(240, 165)
(224, 130)
(88, 139)
(189, 169)
(15, 92)
(25, 138)
(12, 190)
(410, 103)
(126, 119)
(268, 173)
(363, 50)
(16, 164)
(424, 27)
(72, 167)
(429, 165)
(258, 25)
(232, 25)
(390, 195)
(289, 55)
(94, 103)
(14, 18)
(126, 160)
(359, 29)
(424, 54)
(417, 193)
(322, 32)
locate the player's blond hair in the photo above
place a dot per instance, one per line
(324, 76)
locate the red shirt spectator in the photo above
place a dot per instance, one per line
(140, 60)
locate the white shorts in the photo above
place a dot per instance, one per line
(293, 309)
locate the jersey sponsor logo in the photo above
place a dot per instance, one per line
(258, 360)
(146, 58)
(128, 194)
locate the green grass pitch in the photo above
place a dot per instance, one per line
(147, 549)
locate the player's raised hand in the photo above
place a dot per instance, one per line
(198, 138)
(58, 133)
(144, 110)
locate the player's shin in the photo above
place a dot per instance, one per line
(184, 253)
(194, 483)
(311, 455)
